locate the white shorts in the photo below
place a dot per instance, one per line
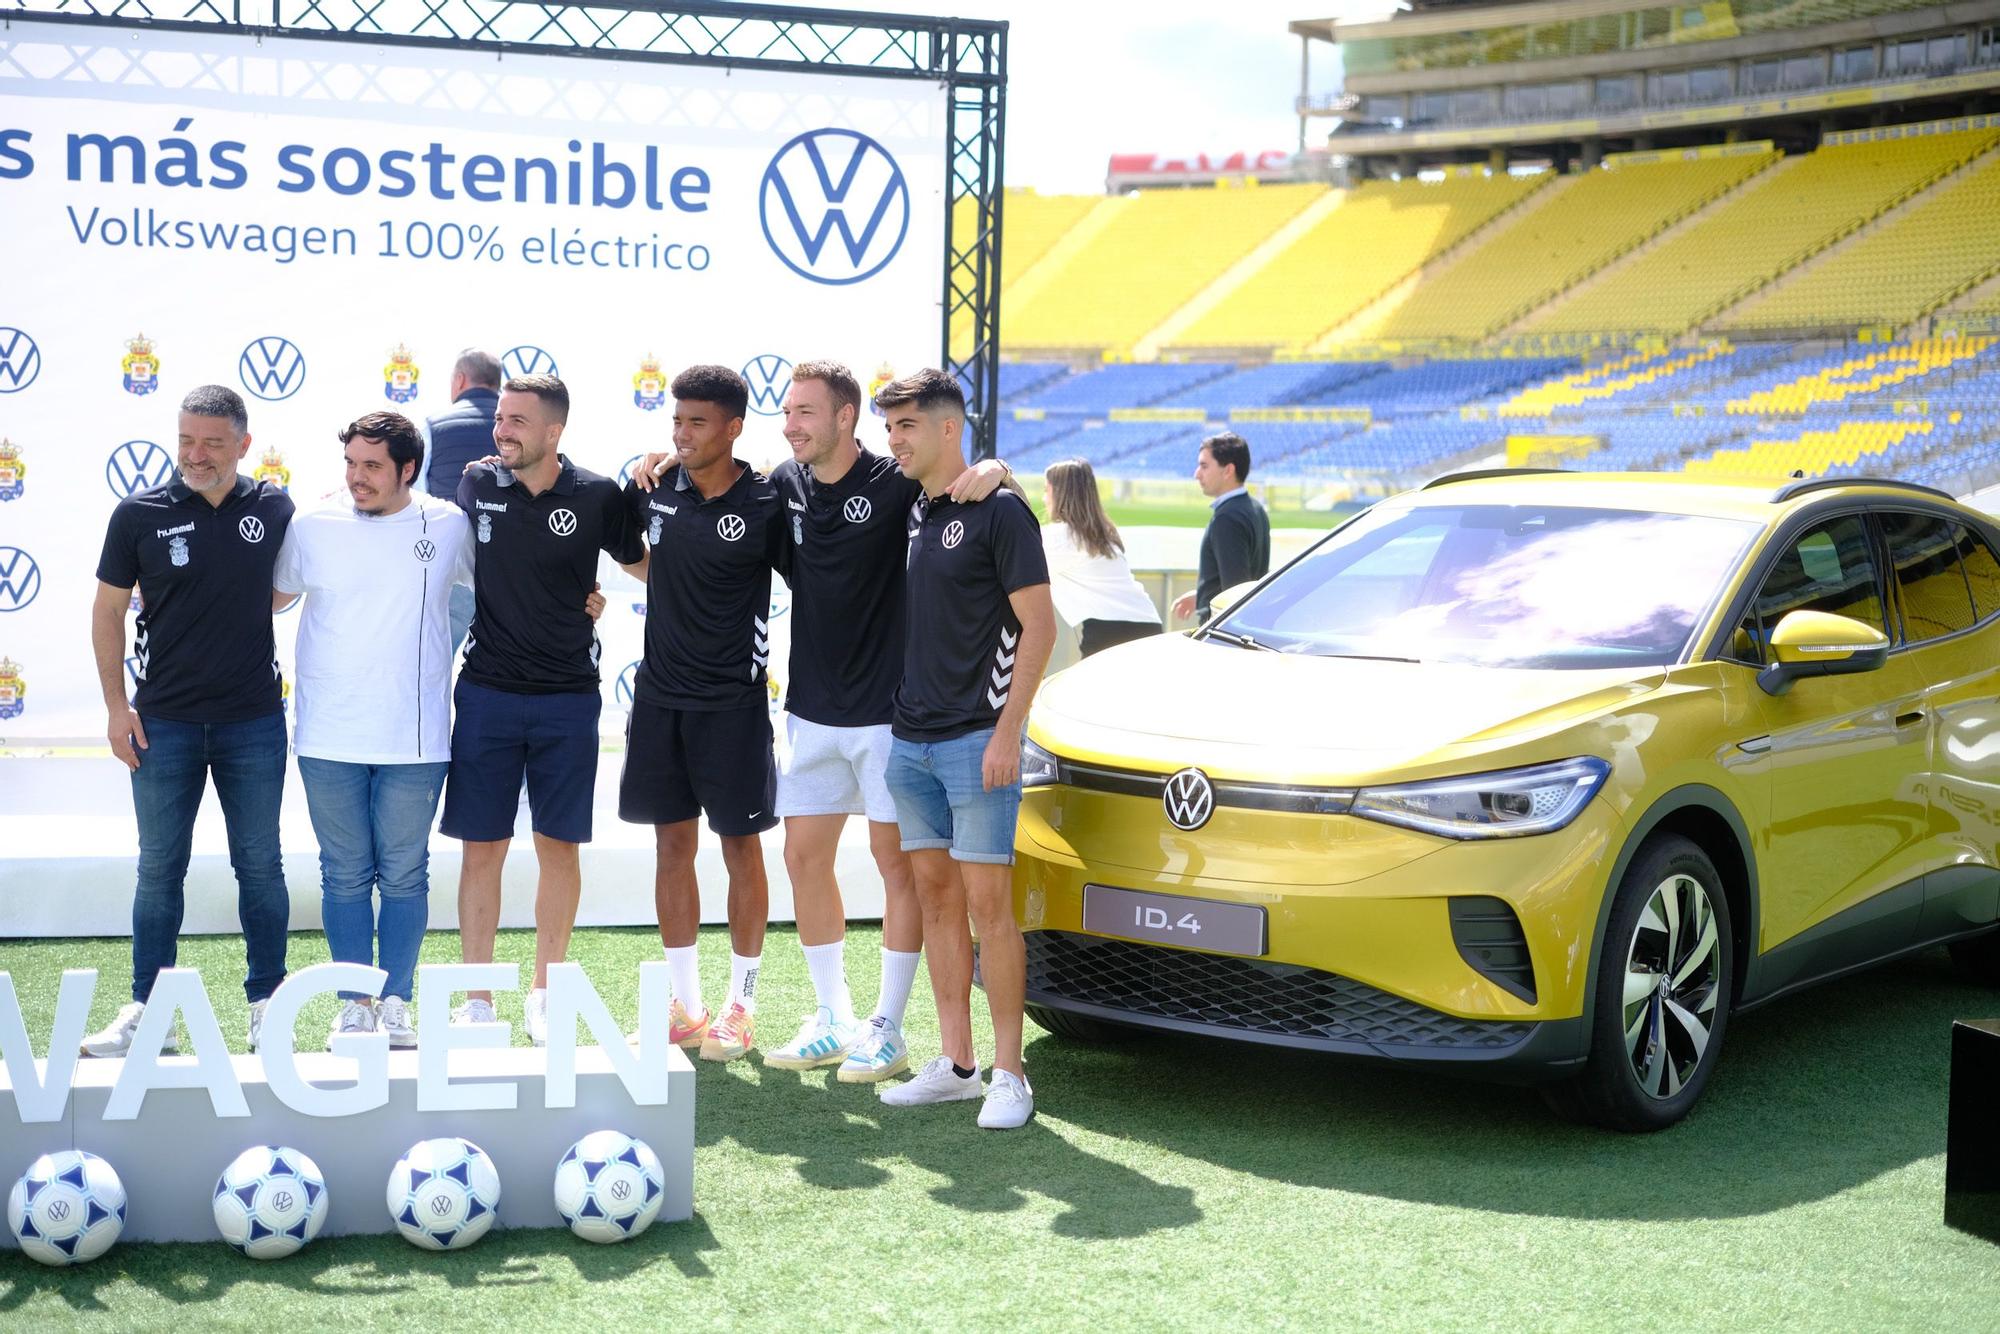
(834, 771)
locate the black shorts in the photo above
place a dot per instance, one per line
(680, 763)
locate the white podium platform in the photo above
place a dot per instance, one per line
(69, 845)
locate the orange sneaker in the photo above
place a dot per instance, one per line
(682, 1031)
(731, 1036)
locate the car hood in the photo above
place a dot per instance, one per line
(1169, 701)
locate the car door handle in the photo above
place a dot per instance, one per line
(1910, 719)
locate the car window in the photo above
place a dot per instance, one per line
(1930, 585)
(1829, 567)
(1982, 571)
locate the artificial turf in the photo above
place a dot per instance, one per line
(1169, 1183)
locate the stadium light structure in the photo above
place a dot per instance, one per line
(967, 56)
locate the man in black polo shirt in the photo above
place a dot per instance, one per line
(700, 738)
(460, 435)
(201, 550)
(978, 629)
(527, 700)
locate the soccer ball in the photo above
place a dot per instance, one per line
(68, 1209)
(608, 1186)
(270, 1202)
(443, 1192)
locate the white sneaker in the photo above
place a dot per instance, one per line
(354, 1017)
(538, 1017)
(936, 1082)
(257, 1009)
(821, 1040)
(392, 1016)
(115, 1039)
(474, 1012)
(1009, 1102)
(879, 1053)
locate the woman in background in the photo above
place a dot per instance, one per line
(1089, 579)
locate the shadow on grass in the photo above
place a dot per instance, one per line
(367, 1267)
(1815, 1094)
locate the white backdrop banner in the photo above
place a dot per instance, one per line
(323, 226)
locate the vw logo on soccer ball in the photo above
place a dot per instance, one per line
(857, 509)
(20, 579)
(527, 359)
(251, 528)
(20, 360)
(954, 533)
(769, 377)
(137, 465)
(1189, 799)
(834, 183)
(731, 527)
(562, 522)
(272, 368)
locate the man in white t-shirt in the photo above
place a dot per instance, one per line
(373, 700)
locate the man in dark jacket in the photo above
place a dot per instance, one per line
(458, 435)
(1236, 546)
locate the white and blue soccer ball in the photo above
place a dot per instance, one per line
(270, 1201)
(443, 1193)
(68, 1208)
(609, 1186)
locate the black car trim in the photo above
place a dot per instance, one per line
(1302, 799)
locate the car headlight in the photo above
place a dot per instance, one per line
(1513, 802)
(1038, 767)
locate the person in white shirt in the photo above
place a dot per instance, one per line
(1088, 575)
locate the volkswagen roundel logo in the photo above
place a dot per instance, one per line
(857, 509)
(621, 1190)
(441, 1205)
(1189, 799)
(954, 533)
(835, 206)
(272, 368)
(562, 522)
(281, 1200)
(20, 360)
(426, 550)
(250, 528)
(628, 683)
(732, 527)
(625, 473)
(527, 360)
(137, 465)
(768, 376)
(58, 1211)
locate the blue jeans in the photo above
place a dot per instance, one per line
(942, 801)
(374, 828)
(248, 763)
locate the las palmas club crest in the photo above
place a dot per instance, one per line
(141, 365)
(399, 377)
(883, 374)
(649, 386)
(13, 472)
(273, 470)
(13, 690)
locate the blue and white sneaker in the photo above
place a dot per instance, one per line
(821, 1040)
(880, 1053)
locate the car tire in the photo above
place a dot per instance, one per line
(1654, 1044)
(1079, 1027)
(1978, 959)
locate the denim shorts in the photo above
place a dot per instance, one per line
(941, 801)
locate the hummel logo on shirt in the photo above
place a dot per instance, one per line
(793, 504)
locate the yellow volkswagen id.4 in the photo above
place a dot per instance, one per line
(1539, 775)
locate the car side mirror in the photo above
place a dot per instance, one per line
(1229, 597)
(1819, 643)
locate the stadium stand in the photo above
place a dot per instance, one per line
(1812, 453)
(1851, 376)
(1380, 233)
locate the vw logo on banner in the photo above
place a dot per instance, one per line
(769, 377)
(137, 465)
(625, 473)
(527, 360)
(20, 360)
(272, 368)
(834, 183)
(1189, 799)
(628, 681)
(20, 578)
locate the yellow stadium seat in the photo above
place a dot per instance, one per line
(1891, 365)
(1813, 453)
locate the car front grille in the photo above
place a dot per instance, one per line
(1277, 1002)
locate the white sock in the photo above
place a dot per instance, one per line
(684, 967)
(899, 971)
(743, 979)
(828, 967)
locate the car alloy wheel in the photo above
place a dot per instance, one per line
(1672, 971)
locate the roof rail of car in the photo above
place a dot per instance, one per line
(1803, 485)
(1481, 474)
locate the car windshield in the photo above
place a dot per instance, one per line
(1535, 586)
